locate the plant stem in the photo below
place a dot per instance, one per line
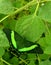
(4, 18)
(5, 61)
(19, 57)
(36, 9)
(20, 9)
(27, 5)
(38, 58)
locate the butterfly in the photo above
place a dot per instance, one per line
(18, 42)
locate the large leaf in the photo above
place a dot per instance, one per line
(47, 50)
(47, 62)
(6, 7)
(9, 23)
(14, 61)
(18, 3)
(30, 28)
(45, 43)
(6, 56)
(3, 39)
(2, 51)
(44, 56)
(31, 58)
(45, 11)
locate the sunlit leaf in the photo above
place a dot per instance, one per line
(6, 7)
(45, 11)
(3, 40)
(30, 28)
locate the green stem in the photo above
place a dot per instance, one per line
(5, 61)
(36, 9)
(19, 57)
(4, 18)
(20, 9)
(38, 58)
(27, 5)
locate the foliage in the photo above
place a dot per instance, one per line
(31, 19)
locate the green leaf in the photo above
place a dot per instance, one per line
(3, 40)
(48, 50)
(45, 11)
(32, 58)
(6, 7)
(45, 43)
(9, 23)
(1, 16)
(23, 56)
(17, 3)
(44, 56)
(32, 62)
(47, 62)
(30, 28)
(32, 9)
(2, 51)
(6, 56)
(1, 63)
(14, 61)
